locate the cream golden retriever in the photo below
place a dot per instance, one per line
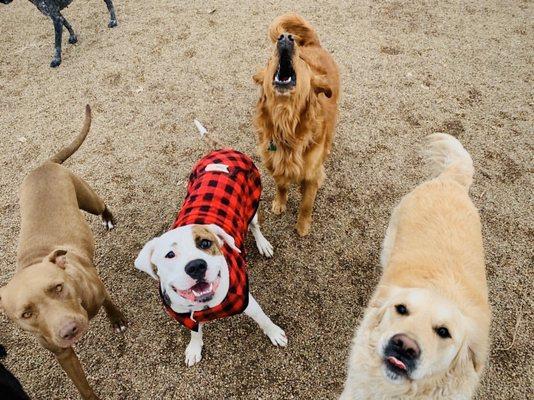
(296, 112)
(425, 333)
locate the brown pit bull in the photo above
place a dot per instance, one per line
(56, 289)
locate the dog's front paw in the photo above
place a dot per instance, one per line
(264, 247)
(193, 353)
(118, 321)
(112, 23)
(278, 207)
(303, 226)
(73, 39)
(108, 220)
(277, 336)
(55, 62)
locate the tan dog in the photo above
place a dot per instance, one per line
(425, 333)
(56, 289)
(296, 112)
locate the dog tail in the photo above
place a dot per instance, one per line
(296, 25)
(68, 151)
(206, 136)
(447, 158)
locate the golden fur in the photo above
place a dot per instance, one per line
(433, 263)
(300, 122)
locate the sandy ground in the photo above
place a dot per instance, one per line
(408, 69)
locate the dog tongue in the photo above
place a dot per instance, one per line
(396, 363)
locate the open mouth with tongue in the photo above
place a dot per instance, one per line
(285, 77)
(201, 292)
(396, 365)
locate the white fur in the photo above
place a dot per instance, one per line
(171, 272)
(264, 247)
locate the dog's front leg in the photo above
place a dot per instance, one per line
(193, 352)
(280, 197)
(309, 192)
(58, 28)
(68, 360)
(72, 36)
(274, 332)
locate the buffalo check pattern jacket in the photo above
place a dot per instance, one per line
(224, 189)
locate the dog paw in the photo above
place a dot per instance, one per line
(303, 227)
(277, 336)
(118, 322)
(55, 62)
(108, 220)
(112, 23)
(278, 207)
(193, 354)
(264, 247)
(73, 39)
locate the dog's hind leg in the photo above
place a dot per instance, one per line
(58, 29)
(72, 36)
(89, 201)
(274, 332)
(112, 17)
(264, 247)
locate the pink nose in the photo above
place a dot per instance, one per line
(407, 344)
(69, 331)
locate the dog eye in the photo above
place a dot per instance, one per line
(401, 309)
(59, 288)
(170, 254)
(27, 314)
(443, 332)
(205, 244)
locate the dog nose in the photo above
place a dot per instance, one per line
(69, 331)
(285, 41)
(404, 343)
(196, 269)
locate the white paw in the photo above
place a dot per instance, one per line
(277, 335)
(193, 354)
(264, 247)
(108, 225)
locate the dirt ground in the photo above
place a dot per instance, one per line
(408, 69)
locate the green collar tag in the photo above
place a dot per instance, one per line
(272, 146)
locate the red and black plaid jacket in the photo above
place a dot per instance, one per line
(229, 200)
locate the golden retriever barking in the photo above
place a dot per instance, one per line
(425, 333)
(296, 112)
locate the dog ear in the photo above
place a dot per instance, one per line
(58, 257)
(258, 77)
(477, 350)
(320, 84)
(223, 237)
(143, 262)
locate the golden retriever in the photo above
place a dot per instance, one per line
(425, 333)
(296, 112)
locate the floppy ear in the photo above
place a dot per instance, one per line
(143, 262)
(477, 350)
(321, 85)
(258, 77)
(222, 236)
(58, 257)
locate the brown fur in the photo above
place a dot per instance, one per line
(300, 123)
(55, 282)
(200, 233)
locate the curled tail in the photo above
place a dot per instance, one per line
(68, 151)
(206, 136)
(296, 25)
(448, 159)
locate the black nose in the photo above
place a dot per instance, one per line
(6, 1)
(196, 269)
(404, 344)
(285, 41)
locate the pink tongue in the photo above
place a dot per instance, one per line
(396, 363)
